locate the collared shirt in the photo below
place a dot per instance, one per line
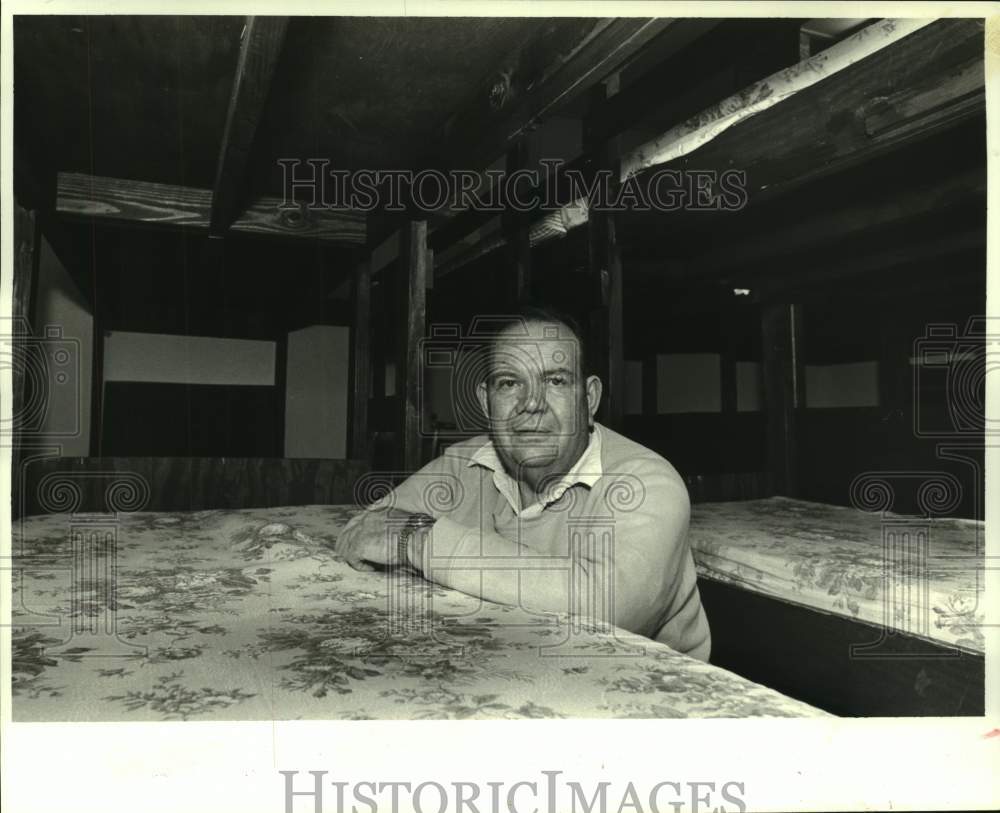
(587, 470)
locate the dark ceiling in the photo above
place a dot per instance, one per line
(142, 98)
(145, 98)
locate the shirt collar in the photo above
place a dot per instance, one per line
(586, 471)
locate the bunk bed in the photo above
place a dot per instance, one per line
(249, 615)
(788, 119)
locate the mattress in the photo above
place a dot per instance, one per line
(922, 577)
(249, 615)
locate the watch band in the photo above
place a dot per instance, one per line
(413, 524)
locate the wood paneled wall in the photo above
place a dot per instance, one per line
(105, 484)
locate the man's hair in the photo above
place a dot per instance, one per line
(527, 312)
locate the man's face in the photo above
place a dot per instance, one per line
(538, 404)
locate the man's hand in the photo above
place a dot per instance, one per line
(369, 540)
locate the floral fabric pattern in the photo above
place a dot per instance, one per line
(914, 575)
(250, 615)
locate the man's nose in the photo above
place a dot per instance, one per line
(534, 399)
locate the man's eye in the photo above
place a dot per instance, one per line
(557, 380)
(506, 383)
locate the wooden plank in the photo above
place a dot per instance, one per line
(606, 272)
(516, 233)
(823, 129)
(19, 333)
(262, 40)
(807, 654)
(281, 389)
(536, 79)
(413, 288)
(713, 59)
(728, 486)
(33, 188)
(923, 82)
(912, 109)
(26, 247)
(100, 328)
(361, 368)
(199, 483)
(123, 201)
(783, 390)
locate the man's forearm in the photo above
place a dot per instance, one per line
(488, 566)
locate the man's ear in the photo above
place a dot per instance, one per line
(594, 391)
(484, 403)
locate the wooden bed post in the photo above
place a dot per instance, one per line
(413, 294)
(515, 229)
(260, 49)
(280, 389)
(784, 390)
(97, 360)
(361, 371)
(607, 319)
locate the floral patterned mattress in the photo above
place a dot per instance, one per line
(909, 574)
(249, 615)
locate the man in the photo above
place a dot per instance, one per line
(548, 486)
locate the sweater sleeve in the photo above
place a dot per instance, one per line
(647, 562)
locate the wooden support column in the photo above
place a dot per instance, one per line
(607, 319)
(538, 77)
(260, 48)
(361, 370)
(25, 279)
(516, 231)
(26, 249)
(784, 389)
(281, 390)
(100, 327)
(413, 316)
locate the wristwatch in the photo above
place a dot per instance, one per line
(413, 524)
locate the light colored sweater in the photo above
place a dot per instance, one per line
(610, 542)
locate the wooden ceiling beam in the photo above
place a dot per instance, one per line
(156, 204)
(260, 49)
(536, 80)
(715, 59)
(834, 227)
(925, 83)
